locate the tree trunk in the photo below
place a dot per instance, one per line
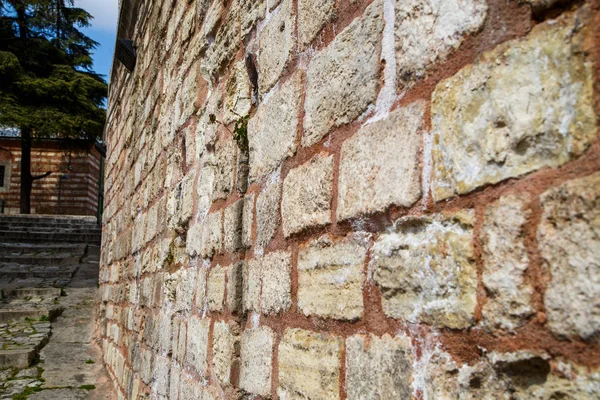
(26, 178)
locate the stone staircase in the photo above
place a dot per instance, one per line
(39, 256)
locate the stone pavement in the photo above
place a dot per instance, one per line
(47, 349)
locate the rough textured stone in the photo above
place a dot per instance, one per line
(235, 282)
(197, 344)
(256, 360)
(377, 155)
(309, 365)
(252, 284)
(232, 227)
(504, 263)
(428, 30)
(181, 203)
(307, 195)
(312, 17)
(276, 42)
(523, 106)
(569, 242)
(272, 131)
(212, 234)
(330, 277)
(276, 282)
(248, 219)
(223, 351)
(225, 167)
(225, 44)
(378, 368)
(267, 214)
(342, 80)
(238, 100)
(426, 270)
(216, 288)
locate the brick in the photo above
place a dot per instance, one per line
(272, 131)
(223, 351)
(380, 153)
(216, 288)
(276, 43)
(306, 200)
(569, 242)
(309, 365)
(312, 17)
(427, 31)
(426, 271)
(342, 79)
(505, 261)
(521, 107)
(330, 277)
(197, 344)
(232, 227)
(378, 367)
(267, 214)
(256, 352)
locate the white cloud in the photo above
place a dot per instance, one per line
(105, 12)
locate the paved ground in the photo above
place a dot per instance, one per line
(65, 362)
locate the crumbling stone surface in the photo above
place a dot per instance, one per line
(256, 353)
(313, 15)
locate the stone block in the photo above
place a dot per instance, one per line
(523, 106)
(225, 168)
(307, 195)
(427, 31)
(235, 284)
(331, 276)
(256, 353)
(225, 45)
(248, 220)
(426, 270)
(238, 100)
(569, 243)
(232, 227)
(378, 154)
(252, 285)
(216, 288)
(505, 261)
(312, 17)
(267, 214)
(197, 344)
(272, 131)
(343, 79)
(275, 271)
(309, 365)
(276, 43)
(223, 351)
(378, 367)
(212, 235)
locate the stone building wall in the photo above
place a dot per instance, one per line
(419, 216)
(80, 161)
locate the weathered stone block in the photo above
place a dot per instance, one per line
(212, 235)
(307, 195)
(235, 284)
(309, 365)
(225, 168)
(238, 94)
(232, 227)
(426, 270)
(256, 353)
(267, 214)
(378, 368)
(505, 260)
(273, 130)
(343, 79)
(225, 45)
(252, 285)
(379, 154)
(428, 30)
(330, 277)
(569, 242)
(223, 351)
(216, 288)
(521, 107)
(181, 202)
(276, 282)
(276, 42)
(248, 220)
(197, 344)
(312, 17)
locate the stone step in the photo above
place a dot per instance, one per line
(30, 237)
(40, 231)
(55, 219)
(40, 260)
(22, 293)
(21, 341)
(34, 224)
(11, 249)
(17, 271)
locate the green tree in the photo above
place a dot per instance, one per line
(48, 87)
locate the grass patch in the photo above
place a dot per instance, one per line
(27, 392)
(90, 361)
(44, 318)
(87, 387)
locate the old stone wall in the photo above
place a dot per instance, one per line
(419, 216)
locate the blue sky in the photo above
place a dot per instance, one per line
(103, 30)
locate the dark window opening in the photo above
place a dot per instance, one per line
(2, 170)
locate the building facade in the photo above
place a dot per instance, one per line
(369, 199)
(75, 167)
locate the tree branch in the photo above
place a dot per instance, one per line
(35, 178)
